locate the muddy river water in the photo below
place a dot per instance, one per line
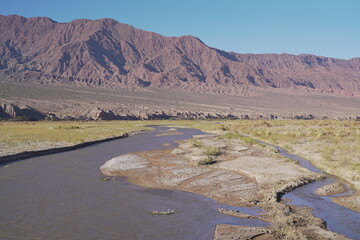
(61, 196)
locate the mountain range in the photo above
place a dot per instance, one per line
(103, 69)
(110, 54)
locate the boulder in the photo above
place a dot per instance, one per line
(123, 162)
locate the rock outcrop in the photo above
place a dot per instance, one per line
(99, 114)
(122, 163)
(11, 111)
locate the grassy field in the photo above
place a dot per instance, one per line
(18, 137)
(27, 136)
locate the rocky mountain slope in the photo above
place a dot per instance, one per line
(111, 54)
(11, 111)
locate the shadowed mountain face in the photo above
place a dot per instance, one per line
(111, 54)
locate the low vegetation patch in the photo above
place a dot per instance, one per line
(231, 135)
(211, 151)
(248, 140)
(236, 135)
(195, 143)
(209, 160)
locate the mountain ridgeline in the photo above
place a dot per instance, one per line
(110, 54)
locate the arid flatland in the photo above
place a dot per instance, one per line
(76, 102)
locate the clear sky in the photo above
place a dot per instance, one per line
(322, 27)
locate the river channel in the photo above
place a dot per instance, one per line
(61, 196)
(338, 218)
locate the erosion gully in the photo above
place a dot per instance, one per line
(61, 196)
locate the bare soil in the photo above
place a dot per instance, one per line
(225, 232)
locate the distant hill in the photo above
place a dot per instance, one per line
(107, 53)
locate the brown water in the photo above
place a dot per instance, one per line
(60, 196)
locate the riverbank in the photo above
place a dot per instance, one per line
(227, 170)
(330, 145)
(30, 154)
(20, 140)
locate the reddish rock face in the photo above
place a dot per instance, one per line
(111, 54)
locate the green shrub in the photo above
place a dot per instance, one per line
(207, 161)
(195, 143)
(211, 151)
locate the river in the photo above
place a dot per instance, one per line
(61, 196)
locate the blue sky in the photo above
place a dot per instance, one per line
(321, 27)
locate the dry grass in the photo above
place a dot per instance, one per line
(211, 151)
(28, 136)
(195, 143)
(332, 145)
